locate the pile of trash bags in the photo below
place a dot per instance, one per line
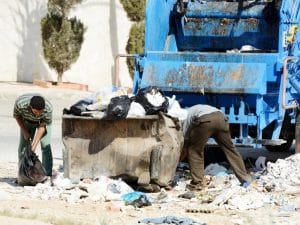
(116, 104)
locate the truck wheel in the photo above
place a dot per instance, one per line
(287, 133)
(281, 148)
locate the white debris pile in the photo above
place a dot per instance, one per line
(106, 189)
(282, 174)
(238, 197)
(98, 190)
(247, 199)
(277, 178)
(214, 169)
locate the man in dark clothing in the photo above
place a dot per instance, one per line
(203, 122)
(34, 117)
(297, 132)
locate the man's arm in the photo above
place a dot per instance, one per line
(46, 120)
(38, 136)
(25, 132)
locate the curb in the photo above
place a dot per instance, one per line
(11, 90)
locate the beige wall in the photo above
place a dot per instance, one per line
(21, 53)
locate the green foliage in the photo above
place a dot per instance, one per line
(61, 7)
(135, 43)
(61, 37)
(135, 9)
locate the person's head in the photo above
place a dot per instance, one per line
(37, 105)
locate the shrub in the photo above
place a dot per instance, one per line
(135, 9)
(62, 37)
(135, 43)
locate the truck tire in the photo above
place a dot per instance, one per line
(281, 148)
(287, 133)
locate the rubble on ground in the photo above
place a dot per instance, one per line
(283, 174)
(276, 185)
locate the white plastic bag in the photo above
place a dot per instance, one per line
(136, 109)
(175, 109)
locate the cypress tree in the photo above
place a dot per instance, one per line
(136, 12)
(62, 37)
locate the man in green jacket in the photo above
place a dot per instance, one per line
(34, 117)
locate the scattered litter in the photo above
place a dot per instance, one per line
(206, 197)
(59, 180)
(137, 199)
(260, 163)
(224, 196)
(278, 184)
(187, 195)
(108, 189)
(214, 168)
(249, 200)
(162, 195)
(113, 207)
(287, 208)
(172, 220)
(200, 210)
(283, 173)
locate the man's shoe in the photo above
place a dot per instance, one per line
(149, 188)
(195, 186)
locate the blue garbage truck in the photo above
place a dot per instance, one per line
(240, 56)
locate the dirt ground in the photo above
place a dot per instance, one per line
(16, 207)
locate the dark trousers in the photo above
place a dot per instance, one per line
(213, 125)
(297, 132)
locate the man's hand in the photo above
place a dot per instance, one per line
(26, 135)
(25, 132)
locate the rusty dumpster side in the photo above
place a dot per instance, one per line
(143, 149)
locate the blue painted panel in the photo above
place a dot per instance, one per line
(205, 76)
(207, 9)
(226, 34)
(157, 24)
(290, 11)
(270, 59)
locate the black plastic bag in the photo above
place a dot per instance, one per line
(80, 107)
(31, 170)
(143, 95)
(118, 107)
